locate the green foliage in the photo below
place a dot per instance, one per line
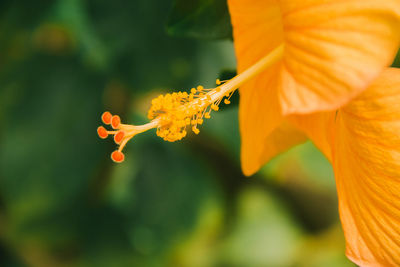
(396, 62)
(203, 19)
(264, 234)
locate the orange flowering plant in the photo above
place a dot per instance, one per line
(311, 68)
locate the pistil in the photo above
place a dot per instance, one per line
(171, 114)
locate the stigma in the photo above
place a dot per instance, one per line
(174, 114)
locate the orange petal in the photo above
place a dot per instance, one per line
(280, 140)
(333, 49)
(318, 127)
(259, 111)
(258, 117)
(366, 161)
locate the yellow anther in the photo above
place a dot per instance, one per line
(218, 82)
(214, 107)
(175, 111)
(195, 130)
(227, 102)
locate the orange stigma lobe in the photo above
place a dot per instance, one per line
(117, 156)
(102, 132)
(119, 136)
(106, 117)
(115, 121)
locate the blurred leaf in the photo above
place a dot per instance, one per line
(71, 14)
(203, 19)
(140, 54)
(161, 190)
(325, 249)
(23, 14)
(200, 247)
(49, 148)
(306, 177)
(17, 20)
(264, 233)
(304, 160)
(224, 127)
(227, 74)
(8, 258)
(396, 62)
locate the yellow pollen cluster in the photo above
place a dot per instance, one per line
(177, 111)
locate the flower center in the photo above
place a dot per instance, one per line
(172, 114)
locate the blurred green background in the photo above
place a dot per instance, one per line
(63, 202)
